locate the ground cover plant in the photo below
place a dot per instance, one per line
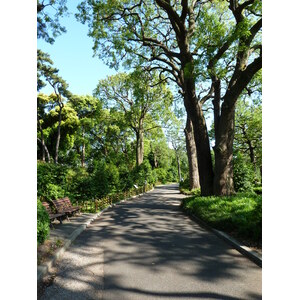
(43, 223)
(239, 215)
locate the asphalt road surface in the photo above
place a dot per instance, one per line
(147, 248)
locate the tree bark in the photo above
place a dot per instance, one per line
(195, 113)
(155, 162)
(44, 147)
(178, 167)
(46, 150)
(223, 180)
(139, 147)
(192, 155)
(58, 133)
(83, 151)
(83, 156)
(42, 139)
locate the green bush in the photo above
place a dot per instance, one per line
(43, 223)
(258, 190)
(51, 181)
(144, 173)
(98, 180)
(243, 174)
(185, 184)
(161, 175)
(53, 191)
(240, 214)
(172, 174)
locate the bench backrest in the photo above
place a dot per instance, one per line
(47, 207)
(67, 201)
(61, 204)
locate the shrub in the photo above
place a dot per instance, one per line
(258, 190)
(172, 174)
(104, 180)
(243, 174)
(51, 181)
(161, 175)
(144, 173)
(78, 185)
(185, 184)
(52, 191)
(43, 223)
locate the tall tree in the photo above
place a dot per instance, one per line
(42, 103)
(140, 98)
(230, 42)
(50, 74)
(160, 35)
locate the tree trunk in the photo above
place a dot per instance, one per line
(42, 139)
(223, 181)
(195, 113)
(46, 150)
(192, 155)
(139, 147)
(83, 155)
(155, 160)
(178, 167)
(83, 150)
(44, 147)
(58, 134)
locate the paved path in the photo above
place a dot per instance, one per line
(148, 249)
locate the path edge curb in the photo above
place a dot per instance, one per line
(244, 250)
(43, 269)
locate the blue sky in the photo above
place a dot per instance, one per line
(72, 54)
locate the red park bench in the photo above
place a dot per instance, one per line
(64, 206)
(51, 215)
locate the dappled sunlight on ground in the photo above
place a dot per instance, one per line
(148, 249)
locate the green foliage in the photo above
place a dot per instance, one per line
(48, 19)
(105, 179)
(142, 102)
(258, 190)
(243, 174)
(161, 175)
(43, 223)
(248, 134)
(184, 187)
(51, 180)
(240, 214)
(143, 173)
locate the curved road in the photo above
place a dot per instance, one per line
(148, 249)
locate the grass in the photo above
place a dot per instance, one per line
(239, 215)
(187, 191)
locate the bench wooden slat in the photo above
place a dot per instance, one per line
(64, 205)
(51, 215)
